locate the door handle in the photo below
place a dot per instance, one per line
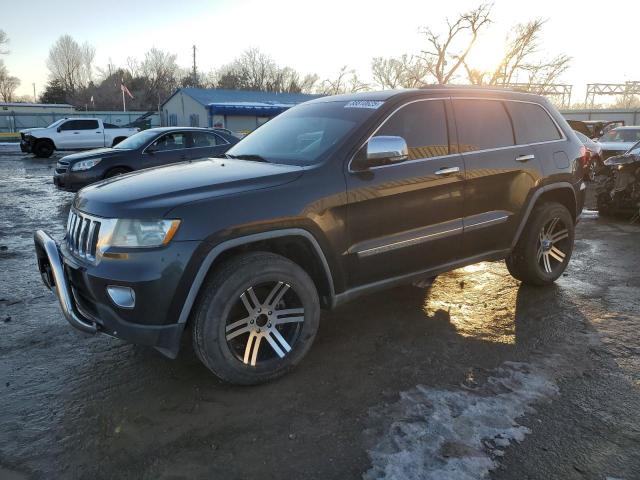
(448, 171)
(76, 133)
(98, 133)
(525, 158)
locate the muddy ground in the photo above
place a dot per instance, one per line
(474, 377)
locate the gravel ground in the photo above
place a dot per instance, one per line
(474, 377)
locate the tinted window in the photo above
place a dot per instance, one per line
(423, 125)
(80, 125)
(204, 139)
(531, 123)
(170, 141)
(482, 124)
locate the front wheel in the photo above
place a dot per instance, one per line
(544, 249)
(256, 318)
(43, 149)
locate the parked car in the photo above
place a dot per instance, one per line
(334, 198)
(594, 128)
(618, 141)
(618, 185)
(592, 158)
(72, 134)
(149, 148)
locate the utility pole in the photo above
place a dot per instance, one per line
(34, 93)
(195, 73)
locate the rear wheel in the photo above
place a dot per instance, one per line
(43, 149)
(256, 318)
(544, 249)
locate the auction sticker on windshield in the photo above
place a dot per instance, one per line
(364, 104)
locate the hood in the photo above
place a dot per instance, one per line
(617, 146)
(97, 153)
(31, 131)
(153, 192)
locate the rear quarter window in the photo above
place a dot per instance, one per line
(482, 125)
(531, 123)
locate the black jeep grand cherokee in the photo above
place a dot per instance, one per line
(335, 198)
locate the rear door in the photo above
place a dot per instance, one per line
(206, 144)
(168, 148)
(406, 217)
(500, 174)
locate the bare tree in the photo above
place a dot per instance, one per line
(4, 41)
(254, 70)
(446, 53)
(520, 61)
(406, 71)
(8, 86)
(161, 73)
(71, 63)
(347, 81)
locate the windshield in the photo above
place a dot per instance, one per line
(56, 123)
(302, 134)
(619, 135)
(137, 140)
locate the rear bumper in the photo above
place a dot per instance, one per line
(92, 316)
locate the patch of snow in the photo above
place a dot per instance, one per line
(457, 434)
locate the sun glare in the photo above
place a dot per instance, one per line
(486, 53)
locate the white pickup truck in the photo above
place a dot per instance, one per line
(72, 134)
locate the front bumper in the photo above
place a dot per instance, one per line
(77, 292)
(65, 179)
(25, 146)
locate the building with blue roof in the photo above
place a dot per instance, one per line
(240, 111)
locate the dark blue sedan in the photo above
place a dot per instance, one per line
(149, 148)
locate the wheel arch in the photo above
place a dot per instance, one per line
(293, 243)
(44, 139)
(562, 192)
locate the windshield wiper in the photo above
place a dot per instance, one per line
(248, 156)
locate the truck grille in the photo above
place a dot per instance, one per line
(82, 235)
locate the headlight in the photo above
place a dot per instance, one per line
(135, 233)
(85, 164)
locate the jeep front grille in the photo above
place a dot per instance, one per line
(82, 235)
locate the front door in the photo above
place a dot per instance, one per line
(79, 135)
(169, 148)
(406, 217)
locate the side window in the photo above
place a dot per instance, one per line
(531, 123)
(86, 125)
(204, 139)
(70, 125)
(482, 124)
(423, 125)
(170, 141)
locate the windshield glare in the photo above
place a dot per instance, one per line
(56, 123)
(136, 141)
(621, 135)
(302, 134)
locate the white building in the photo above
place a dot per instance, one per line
(240, 111)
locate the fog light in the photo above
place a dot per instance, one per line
(123, 297)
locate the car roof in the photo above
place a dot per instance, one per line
(383, 95)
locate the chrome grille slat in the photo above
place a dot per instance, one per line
(82, 235)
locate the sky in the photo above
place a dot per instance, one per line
(315, 37)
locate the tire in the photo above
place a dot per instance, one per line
(235, 333)
(545, 246)
(43, 149)
(114, 172)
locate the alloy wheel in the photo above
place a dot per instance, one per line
(552, 245)
(258, 332)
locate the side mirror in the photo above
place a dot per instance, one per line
(386, 149)
(59, 129)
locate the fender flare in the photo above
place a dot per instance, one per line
(534, 198)
(235, 242)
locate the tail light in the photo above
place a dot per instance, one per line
(585, 155)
